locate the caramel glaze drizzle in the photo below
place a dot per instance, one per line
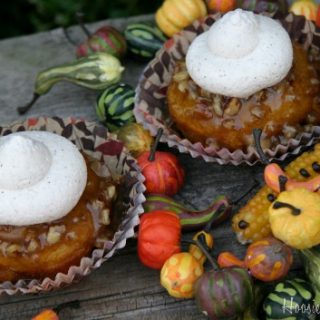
(295, 211)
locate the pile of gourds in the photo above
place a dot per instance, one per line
(232, 288)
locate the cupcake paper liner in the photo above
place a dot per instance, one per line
(151, 106)
(95, 141)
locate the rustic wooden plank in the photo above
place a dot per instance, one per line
(122, 288)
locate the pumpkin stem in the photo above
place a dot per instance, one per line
(152, 155)
(282, 183)
(257, 142)
(294, 210)
(205, 251)
(79, 16)
(22, 110)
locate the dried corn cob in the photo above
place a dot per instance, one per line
(251, 223)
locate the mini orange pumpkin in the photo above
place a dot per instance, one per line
(179, 274)
(221, 5)
(174, 15)
(295, 218)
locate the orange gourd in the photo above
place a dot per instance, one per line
(179, 274)
(221, 5)
(174, 15)
(47, 314)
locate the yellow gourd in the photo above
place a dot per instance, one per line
(295, 218)
(174, 15)
(196, 251)
(307, 8)
(179, 274)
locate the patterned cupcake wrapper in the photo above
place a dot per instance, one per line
(93, 140)
(151, 107)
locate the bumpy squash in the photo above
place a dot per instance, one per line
(174, 15)
(295, 218)
(289, 300)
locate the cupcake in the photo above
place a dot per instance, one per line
(62, 209)
(223, 79)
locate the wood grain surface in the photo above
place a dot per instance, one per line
(122, 288)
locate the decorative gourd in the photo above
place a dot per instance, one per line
(196, 251)
(295, 218)
(290, 299)
(221, 5)
(318, 17)
(306, 8)
(158, 238)
(144, 40)
(219, 210)
(162, 170)
(105, 39)
(179, 274)
(174, 15)
(97, 72)
(135, 138)
(223, 293)
(251, 223)
(47, 314)
(277, 180)
(311, 263)
(268, 259)
(276, 7)
(115, 105)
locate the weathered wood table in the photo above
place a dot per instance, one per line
(122, 288)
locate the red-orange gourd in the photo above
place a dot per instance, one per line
(164, 174)
(318, 17)
(158, 237)
(47, 314)
(268, 259)
(221, 5)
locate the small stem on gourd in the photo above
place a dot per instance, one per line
(214, 264)
(282, 183)
(66, 34)
(257, 142)
(294, 210)
(155, 145)
(22, 110)
(79, 16)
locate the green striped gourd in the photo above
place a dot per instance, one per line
(289, 300)
(224, 293)
(143, 40)
(105, 39)
(96, 72)
(115, 106)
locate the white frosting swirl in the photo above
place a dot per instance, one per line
(42, 177)
(241, 54)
